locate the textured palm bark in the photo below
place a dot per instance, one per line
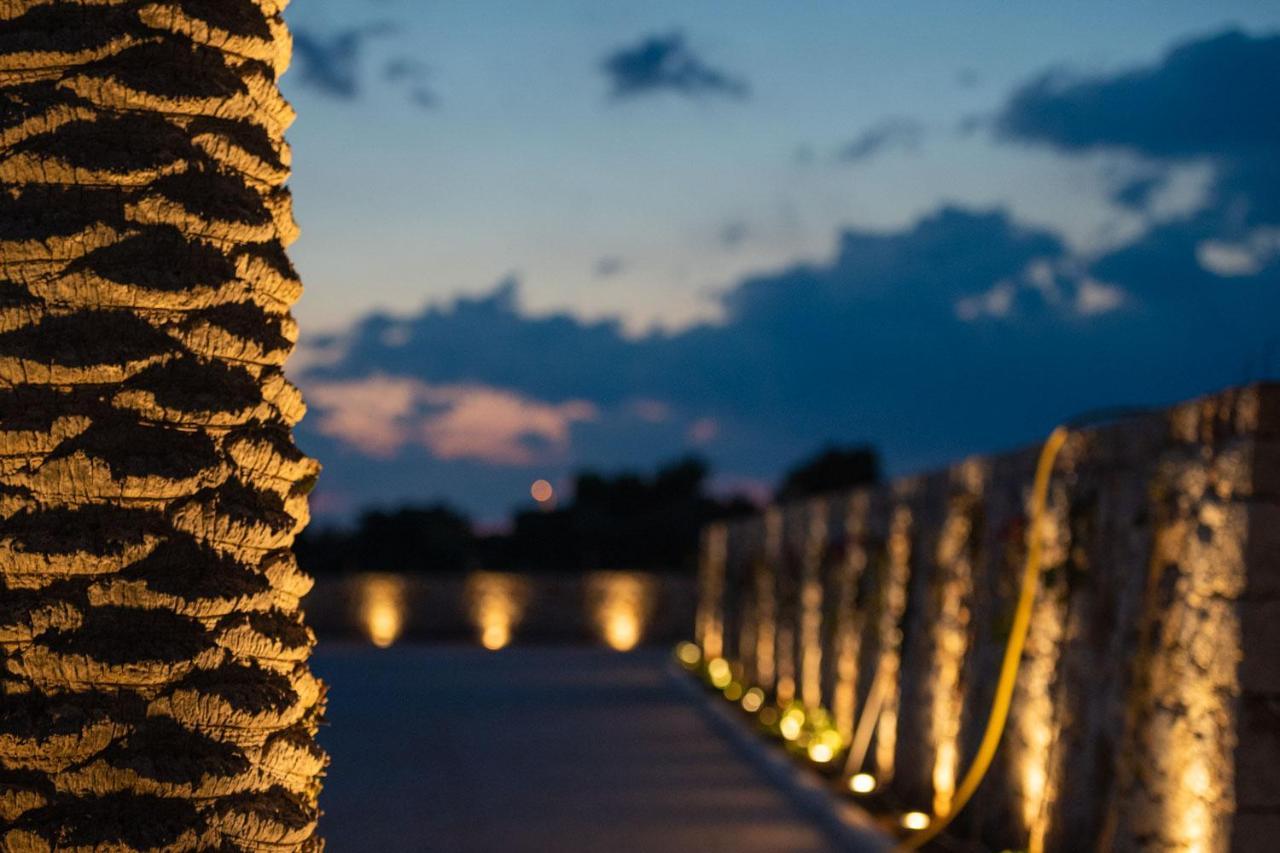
(154, 690)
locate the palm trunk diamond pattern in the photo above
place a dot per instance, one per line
(154, 692)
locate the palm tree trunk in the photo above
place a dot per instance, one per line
(154, 690)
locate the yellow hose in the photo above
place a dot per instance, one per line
(1012, 652)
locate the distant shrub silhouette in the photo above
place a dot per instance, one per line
(832, 469)
(626, 520)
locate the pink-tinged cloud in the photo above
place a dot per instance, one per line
(650, 411)
(478, 422)
(703, 431)
(369, 414)
(379, 415)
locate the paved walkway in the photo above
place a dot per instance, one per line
(459, 750)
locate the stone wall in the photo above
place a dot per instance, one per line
(1147, 709)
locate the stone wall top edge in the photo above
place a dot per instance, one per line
(1248, 412)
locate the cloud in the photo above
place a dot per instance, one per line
(609, 266)
(1096, 297)
(394, 389)
(734, 234)
(1206, 97)
(901, 134)
(1137, 192)
(1206, 101)
(367, 414)
(412, 74)
(1247, 257)
(380, 415)
(330, 62)
(703, 431)
(666, 63)
(962, 332)
(650, 410)
(996, 302)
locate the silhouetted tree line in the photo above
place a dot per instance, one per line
(622, 521)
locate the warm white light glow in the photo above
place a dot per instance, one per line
(689, 654)
(862, 783)
(915, 821)
(620, 604)
(824, 746)
(381, 608)
(495, 636)
(541, 491)
(709, 619)
(950, 634)
(753, 700)
(792, 724)
(496, 602)
(719, 672)
(810, 628)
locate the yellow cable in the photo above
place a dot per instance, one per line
(1012, 652)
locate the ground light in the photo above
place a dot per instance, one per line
(719, 673)
(824, 746)
(753, 700)
(733, 692)
(792, 723)
(382, 608)
(688, 654)
(862, 783)
(914, 821)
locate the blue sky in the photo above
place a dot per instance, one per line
(544, 235)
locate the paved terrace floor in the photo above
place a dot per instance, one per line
(561, 750)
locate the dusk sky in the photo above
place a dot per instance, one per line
(543, 236)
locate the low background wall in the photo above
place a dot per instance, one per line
(1147, 710)
(619, 609)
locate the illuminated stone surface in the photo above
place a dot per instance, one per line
(154, 693)
(1145, 715)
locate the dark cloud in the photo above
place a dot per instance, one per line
(871, 345)
(666, 63)
(1212, 96)
(330, 62)
(734, 234)
(1210, 99)
(609, 266)
(414, 75)
(902, 134)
